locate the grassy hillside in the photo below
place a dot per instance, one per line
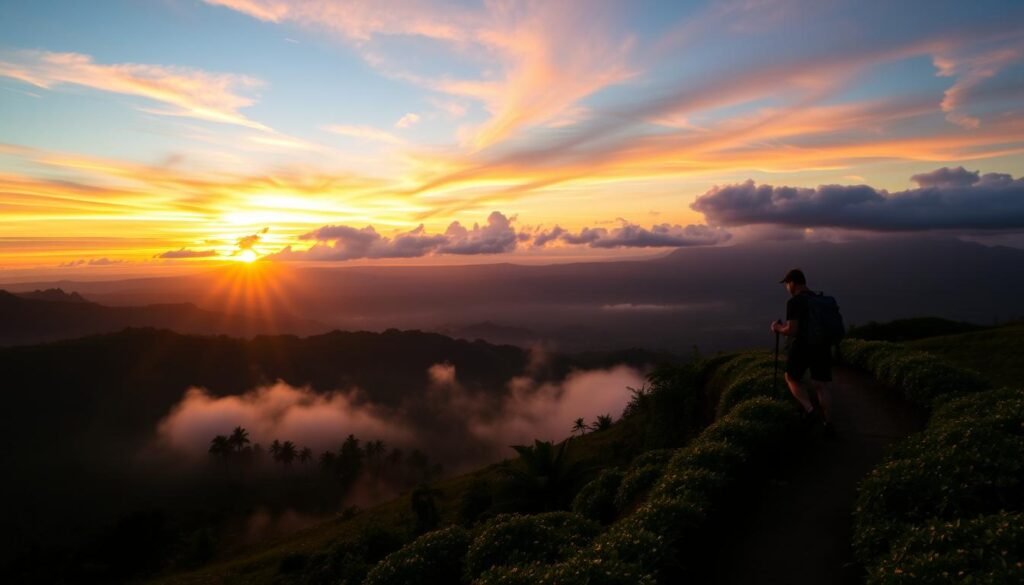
(997, 353)
(643, 452)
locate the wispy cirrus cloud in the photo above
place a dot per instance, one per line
(527, 45)
(193, 93)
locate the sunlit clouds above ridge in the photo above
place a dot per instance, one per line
(422, 130)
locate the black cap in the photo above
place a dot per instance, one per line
(796, 276)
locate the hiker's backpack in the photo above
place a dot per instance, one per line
(825, 324)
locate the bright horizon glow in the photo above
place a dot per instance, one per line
(404, 126)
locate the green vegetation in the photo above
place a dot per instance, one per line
(997, 353)
(983, 550)
(945, 505)
(910, 329)
(662, 508)
(921, 377)
(435, 557)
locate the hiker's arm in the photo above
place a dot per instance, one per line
(789, 328)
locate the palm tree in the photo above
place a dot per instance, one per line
(220, 446)
(327, 461)
(239, 439)
(275, 450)
(543, 475)
(580, 427)
(287, 453)
(604, 422)
(305, 455)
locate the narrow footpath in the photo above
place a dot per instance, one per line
(798, 532)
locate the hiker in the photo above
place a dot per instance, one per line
(804, 353)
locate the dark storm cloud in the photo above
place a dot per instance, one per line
(946, 199)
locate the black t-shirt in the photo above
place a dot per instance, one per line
(797, 310)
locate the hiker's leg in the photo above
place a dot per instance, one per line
(824, 392)
(821, 378)
(798, 392)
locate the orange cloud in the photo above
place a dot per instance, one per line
(193, 93)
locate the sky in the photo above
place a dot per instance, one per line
(155, 136)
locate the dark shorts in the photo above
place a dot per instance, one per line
(816, 359)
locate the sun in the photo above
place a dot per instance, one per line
(247, 256)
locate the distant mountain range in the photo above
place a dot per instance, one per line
(51, 314)
(712, 297)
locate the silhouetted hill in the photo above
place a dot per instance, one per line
(55, 295)
(46, 315)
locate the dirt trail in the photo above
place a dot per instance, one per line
(798, 531)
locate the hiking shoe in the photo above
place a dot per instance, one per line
(829, 431)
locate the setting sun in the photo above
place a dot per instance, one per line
(247, 256)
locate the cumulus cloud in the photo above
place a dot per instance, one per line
(494, 237)
(279, 411)
(342, 242)
(186, 253)
(945, 199)
(91, 262)
(630, 235)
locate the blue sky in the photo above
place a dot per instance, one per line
(195, 123)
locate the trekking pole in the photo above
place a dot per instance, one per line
(775, 373)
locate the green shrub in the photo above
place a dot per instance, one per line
(749, 385)
(643, 472)
(982, 405)
(673, 519)
(713, 455)
(695, 485)
(347, 562)
(522, 540)
(435, 557)
(636, 484)
(575, 571)
(985, 550)
(959, 468)
(753, 438)
(652, 457)
(777, 414)
(596, 500)
(637, 546)
(921, 377)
